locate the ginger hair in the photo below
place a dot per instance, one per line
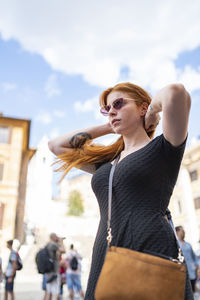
(91, 153)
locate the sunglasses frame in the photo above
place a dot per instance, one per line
(105, 112)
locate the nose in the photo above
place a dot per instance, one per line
(112, 111)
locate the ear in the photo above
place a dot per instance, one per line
(143, 108)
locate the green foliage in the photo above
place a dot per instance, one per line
(75, 204)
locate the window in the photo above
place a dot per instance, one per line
(1, 171)
(5, 135)
(197, 202)
(1, 214)
(193, 175)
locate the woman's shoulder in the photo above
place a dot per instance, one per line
(172, 154)
(169, 145)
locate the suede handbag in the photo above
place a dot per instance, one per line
(132, 275)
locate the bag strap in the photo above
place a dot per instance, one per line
(180, 257)
(109, 230)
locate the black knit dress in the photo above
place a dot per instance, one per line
(142, 186)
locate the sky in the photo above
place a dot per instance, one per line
(57, 56)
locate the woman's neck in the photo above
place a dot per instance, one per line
(135, 140)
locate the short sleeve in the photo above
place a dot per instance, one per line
(13, 256)
(173, 152)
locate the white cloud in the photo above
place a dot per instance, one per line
(100, 37)
(54, 133)
(8, 86)
(59, 113)
(44, 118)
(51, 86)
(190, 78)
(88, 105)
(107, 140)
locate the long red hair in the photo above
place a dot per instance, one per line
(91, 153)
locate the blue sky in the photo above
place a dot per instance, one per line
(52, 70)
(23, 78)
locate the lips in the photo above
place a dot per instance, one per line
(114, 121)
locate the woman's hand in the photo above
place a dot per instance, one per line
(152, 119)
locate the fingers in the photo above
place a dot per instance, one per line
(152, 126)
(152, 121)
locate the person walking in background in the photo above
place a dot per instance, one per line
(73, 266)
(145, 174)
(10, 272)
(62, 267)
(189, 255)
(55, 249)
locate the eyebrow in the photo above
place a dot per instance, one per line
(115, 100)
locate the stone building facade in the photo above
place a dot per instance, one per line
(14, 157)
(185, 201)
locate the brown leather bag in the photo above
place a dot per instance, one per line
(133, 275)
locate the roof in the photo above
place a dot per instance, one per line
(25, 124)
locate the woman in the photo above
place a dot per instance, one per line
(145, 174)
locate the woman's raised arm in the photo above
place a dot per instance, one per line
(76, 139)
(174, 101)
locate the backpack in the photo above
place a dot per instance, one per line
(44, 263)
(74, 263)
(19, 262)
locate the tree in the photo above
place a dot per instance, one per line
(75, 204)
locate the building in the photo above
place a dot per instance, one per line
(185, 201)
(80, 231)
(81, 182)
(14, 157)
(39, 186)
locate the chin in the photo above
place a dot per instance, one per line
(118, 130)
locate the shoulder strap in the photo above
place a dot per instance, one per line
(109, 237)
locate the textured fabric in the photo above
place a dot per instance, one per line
(142, 186)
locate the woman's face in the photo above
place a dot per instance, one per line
(128, 117)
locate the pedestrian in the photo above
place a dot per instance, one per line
(53, 278)
(62, 272)
(62, 267)
(73, 266)
(145, 174)
(10, 272)
(189, 255)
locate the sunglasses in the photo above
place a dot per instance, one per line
(117, 104)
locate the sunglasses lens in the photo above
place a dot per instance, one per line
(118, 103)
(104, 111)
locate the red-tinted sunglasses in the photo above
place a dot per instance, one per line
(117, 104)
